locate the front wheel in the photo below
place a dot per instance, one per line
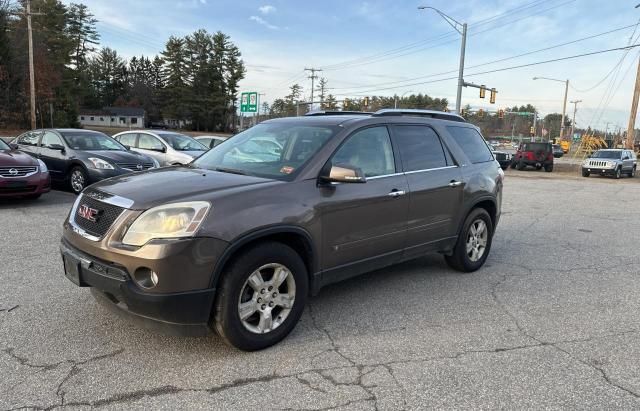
(261, 297)
(618, 174)
(474, 242)
(513, 164)
(585, 173)
(77, 179)
(520, 165)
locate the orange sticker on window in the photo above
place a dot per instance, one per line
(286, 170)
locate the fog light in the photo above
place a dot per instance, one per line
(145, 277)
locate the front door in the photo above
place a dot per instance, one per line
(364, 225)
(435, 186)
(55, 159)
(152, 147)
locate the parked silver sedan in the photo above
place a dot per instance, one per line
(167, 147)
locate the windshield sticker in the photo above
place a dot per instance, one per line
(286, 170)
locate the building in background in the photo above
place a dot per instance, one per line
(126, 117)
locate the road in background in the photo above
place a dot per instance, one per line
(551, 321)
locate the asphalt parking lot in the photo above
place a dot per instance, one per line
(551, 321)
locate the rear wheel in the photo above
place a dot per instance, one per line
(513, 164)
(548, 168)
(632, 173)
(538, 167)
(474, 242)
(77, 179)
(33, 196)
(261, 297)
(520, 165)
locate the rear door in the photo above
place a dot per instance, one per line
(56, 160)
(364, 225)
(435, 186)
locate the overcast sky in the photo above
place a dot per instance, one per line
(381, 47)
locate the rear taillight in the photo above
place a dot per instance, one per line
(530, 156)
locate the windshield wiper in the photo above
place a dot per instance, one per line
(231, 171)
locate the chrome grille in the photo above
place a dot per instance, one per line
(135, 166)
(17, 171)
(105, 216)
(598, 163)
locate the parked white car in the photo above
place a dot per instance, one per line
(167, 147)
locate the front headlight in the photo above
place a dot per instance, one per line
(100, 163)
(43, 166)
(168, 221)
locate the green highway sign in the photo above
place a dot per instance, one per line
(249, 102)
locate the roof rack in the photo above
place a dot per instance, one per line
(337, 113)
(420, 113)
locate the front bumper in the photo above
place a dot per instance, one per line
(600, 171)
(99, 174)
(182, 311)
(38, 183)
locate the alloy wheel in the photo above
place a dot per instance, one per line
(77, 181)
(477, 238)
(267, 298)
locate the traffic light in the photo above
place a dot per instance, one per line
(483, 90)
(366, 101)
(501, 113)
(480, 113)
(492, 99)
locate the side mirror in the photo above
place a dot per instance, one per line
(625, 158)
(162, 149)
(344, 173)
(14, 146)
(127, 147)
(58, 147)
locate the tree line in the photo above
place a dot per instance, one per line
(195, 79)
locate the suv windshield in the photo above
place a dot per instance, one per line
(535, 147)
(3, 145)
(85, 140)
(276, 150)
(607, 154)
(180, 142)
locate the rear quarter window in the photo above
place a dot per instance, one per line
(472, 143)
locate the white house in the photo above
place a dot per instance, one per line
(129, 117)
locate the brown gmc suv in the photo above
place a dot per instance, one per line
(238, 240)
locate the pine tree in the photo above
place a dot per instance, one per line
(174, 73)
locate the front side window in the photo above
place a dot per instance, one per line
(420, 148)
(147, 142)
(49, 139)
(180, 142)
(91, 141)
(272, 150)
(472, 144)
(370, 150)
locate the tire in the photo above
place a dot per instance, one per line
(538, 168)
(33, 197)
(585, 173)
(632, 173)
(513, 164)
(460, 260)
(618, 174)
(548, 168)
(78, 179)
(520, 165)
(235, 290)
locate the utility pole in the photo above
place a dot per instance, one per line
(564, 108)
(313, 76)
(631, 130)
(573, 121)
(32, 85)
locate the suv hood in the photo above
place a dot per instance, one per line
(16, 158)
(172, 184)
(115, 156)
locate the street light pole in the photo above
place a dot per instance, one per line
(564, 104)
(461, 28)
(32, 85)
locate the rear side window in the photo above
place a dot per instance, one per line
(420, 148)
(127, 139)
(472, 143)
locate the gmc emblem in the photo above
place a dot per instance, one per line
(88, 213)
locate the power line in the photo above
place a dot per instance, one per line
(399, 82)
(384, 56)
(513, 67)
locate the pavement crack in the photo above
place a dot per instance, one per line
(334, 347)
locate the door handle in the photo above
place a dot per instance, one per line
(455, 183)
(396, 193)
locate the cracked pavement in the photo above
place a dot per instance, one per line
(551, 321)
